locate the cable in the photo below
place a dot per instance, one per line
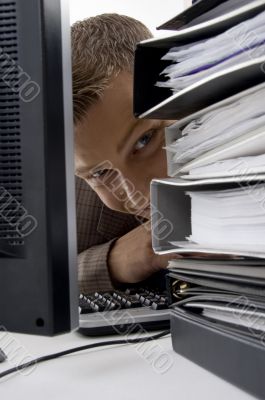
(76, 349)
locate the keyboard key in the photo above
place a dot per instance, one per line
(110, 307)
(94, 306)
(147, 302)
(130, 291)
(133, 304)
(98, 295)
(100, 304)
(142, 299)
(118, 296)
(159, 306)
(116, 300)
(118, 304)
(86, 309)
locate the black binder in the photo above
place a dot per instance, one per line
(234, 352)
(159, 103)
(204, 11)
(232, 355)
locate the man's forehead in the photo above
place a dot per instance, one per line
(105, 128)
(115, 106)
(108, 124)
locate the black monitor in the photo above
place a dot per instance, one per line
(38, 272)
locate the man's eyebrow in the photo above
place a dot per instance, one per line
(92, 169)
(122, 143)
(84, 170)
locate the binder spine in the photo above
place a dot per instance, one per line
(227, 355)
(159, 103)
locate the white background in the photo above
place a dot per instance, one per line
(151, 12)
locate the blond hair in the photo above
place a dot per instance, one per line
(102, 47)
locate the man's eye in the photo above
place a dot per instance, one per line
(143, 141)
(99, 174)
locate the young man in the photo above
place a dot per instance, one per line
(113, 146)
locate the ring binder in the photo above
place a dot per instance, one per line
(159, 103)
(208, 286)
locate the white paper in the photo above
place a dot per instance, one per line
(231, 167)
(198, 60)
(220, 126)
(231, 219)
(242, 156)
(189, 247)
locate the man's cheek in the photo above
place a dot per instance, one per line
(136, 201)
(109, 199)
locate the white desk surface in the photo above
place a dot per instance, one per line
(118, 373)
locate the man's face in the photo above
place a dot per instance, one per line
(117, 154)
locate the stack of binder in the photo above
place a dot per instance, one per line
(151, 101)
(214, 197)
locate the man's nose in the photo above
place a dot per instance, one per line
(125, 190)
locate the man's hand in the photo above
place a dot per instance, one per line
(132, 258)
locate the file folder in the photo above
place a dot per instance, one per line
(159, 103)
(171, 208)
(216, 326)
(237, 148)
(228, 353)
(209, 10)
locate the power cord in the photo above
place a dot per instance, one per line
(76, 349)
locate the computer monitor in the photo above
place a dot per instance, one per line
(38, 271)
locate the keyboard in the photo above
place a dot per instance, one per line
(120, 312)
